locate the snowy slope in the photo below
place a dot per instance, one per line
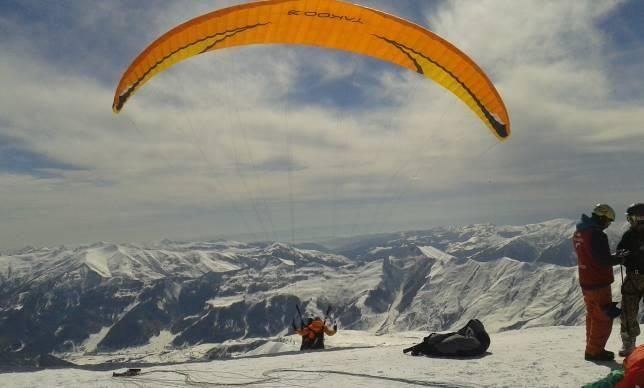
(536, 357)
(225, 297)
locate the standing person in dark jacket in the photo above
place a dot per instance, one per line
(632, 244)
(595, 277)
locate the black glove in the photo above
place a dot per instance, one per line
(611, 310)
(335, 327)
(294, 327)
(623, 253)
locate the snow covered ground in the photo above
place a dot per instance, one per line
(535, 357)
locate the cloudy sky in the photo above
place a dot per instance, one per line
(297, 143)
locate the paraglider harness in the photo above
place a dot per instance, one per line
(128, 373)
(469, 341)
(312, 332)
(315, 335)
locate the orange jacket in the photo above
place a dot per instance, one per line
(314, 329)
(633, 369)
(313, 334)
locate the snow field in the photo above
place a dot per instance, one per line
(535, 357)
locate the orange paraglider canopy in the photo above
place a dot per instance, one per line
(329, 24)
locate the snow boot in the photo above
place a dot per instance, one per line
(628, 345)
(604, 355)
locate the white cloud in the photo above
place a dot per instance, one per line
(216, 134)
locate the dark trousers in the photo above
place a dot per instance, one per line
(632, 292)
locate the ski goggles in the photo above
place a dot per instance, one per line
(635, 219)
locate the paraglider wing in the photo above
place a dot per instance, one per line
(330, 24)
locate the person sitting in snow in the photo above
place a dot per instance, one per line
(631, 375)
(633, 369)
(313, 333)
(595, 264)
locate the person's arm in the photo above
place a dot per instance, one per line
(624, 242)
(625, 249)
(329, 331)
(601, 250)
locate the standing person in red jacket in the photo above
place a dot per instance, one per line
(595, 277)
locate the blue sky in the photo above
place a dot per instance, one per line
(298, 143)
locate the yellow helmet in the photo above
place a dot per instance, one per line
(602, 210)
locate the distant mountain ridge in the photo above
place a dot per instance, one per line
(105, 297)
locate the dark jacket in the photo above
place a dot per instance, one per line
(593, 255)
(633, 243)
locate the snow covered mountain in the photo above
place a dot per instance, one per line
(107, 297)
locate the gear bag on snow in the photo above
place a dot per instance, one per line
(128, 373)
(471, 340)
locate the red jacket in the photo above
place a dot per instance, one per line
(633, 369)
(313, 334)
(593, 255)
